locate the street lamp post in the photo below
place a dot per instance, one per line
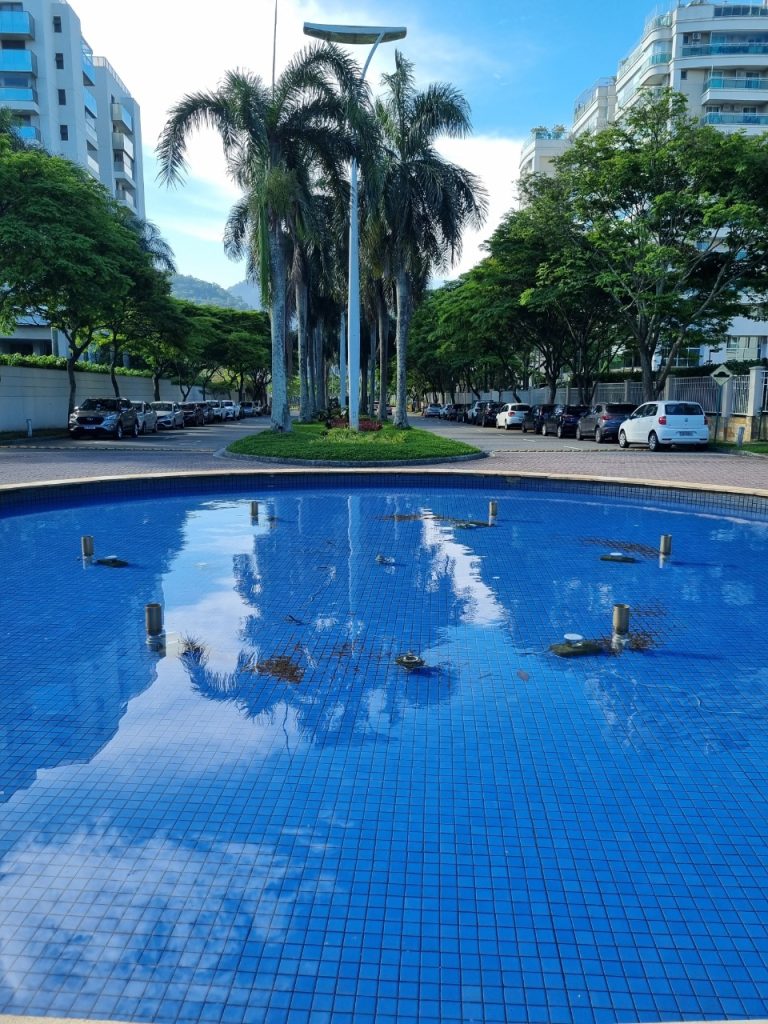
(371, 35)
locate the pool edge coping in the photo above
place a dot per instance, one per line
(74, 483)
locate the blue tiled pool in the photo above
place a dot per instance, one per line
(294, 829)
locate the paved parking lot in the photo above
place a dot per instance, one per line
(200, 449)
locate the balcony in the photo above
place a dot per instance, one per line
(123, 172)
(725, 50)
(93, 165)
(122, 143)
(29, 133)
(90, 103)
(18, 60)
(124, 195)
(726, 89)
(736, 120)
(90, 132)
(89, 75)
(122, 118)
(19, 99)
(17, 25)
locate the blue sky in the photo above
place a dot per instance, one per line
(520, 63)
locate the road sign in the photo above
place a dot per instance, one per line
(721, 374)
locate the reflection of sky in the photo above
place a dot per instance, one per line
(502, 835)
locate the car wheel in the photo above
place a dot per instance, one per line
(143, 427)
(654, 444)
(623, 442)
(560, 432)
(523, 429)
(598, 435)
(119, 432)
(578, 434)
(543, 429)
(508, 426)
(135, 432)
(154, 429)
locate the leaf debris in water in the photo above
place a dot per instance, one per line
(521, 674)
(281, 667)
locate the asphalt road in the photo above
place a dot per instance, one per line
(199, 449)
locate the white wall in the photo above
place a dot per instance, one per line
(43, 395)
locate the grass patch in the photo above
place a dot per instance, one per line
(756, 447)
(315, 441)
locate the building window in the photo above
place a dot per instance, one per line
(59, 61)
(683, 75)
(64, 132)
(62, 97)
(56, 23)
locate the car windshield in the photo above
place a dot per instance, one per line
(163, 406)
(684, 409)
(100, 403)
(189, 405)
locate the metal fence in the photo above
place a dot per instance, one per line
(740, 395)
(703, 390)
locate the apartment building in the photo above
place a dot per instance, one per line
(716, 54)
(73, 104)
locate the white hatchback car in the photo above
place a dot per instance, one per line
(661, 424)
(512, 415)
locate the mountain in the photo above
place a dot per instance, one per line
(205, 293)
(247, 293)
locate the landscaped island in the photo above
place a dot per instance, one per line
(314, 441)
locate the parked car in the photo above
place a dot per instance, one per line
(247, 409)
(432, 410)
(661, 424)
(229, 409)
(474, 410)
(511, 415)
(537, 417)
(147, 417)
(458, 413)
(603, 421)
(217, 408)
(446, 410)
(207, 411)
(169, 415)
(564, 420)
(193, 414)
(487, 417)
(114, 417)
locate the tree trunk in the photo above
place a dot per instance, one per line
(365, 353)
(112, 375)
(71, 361)
(383, 361)
(372, 371)
(156, 384)
(281, 413)
(646, 365)
(322, 398)
(305, 410)
(404, 310)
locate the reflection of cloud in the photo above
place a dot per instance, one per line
(462, 565)
(174, 898)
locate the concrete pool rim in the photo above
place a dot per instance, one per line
(720, 498)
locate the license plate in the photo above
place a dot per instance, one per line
(89, 426)
(685, 433)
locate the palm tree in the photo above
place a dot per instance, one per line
(10, 126)
(426, 201)
(276, 142)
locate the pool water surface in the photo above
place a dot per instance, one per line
(283, 825)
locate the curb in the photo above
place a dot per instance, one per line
(273, 460)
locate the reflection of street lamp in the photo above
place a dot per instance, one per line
(371, 35)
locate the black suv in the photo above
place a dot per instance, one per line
(565, 420)
(114, 417)
(536, 417)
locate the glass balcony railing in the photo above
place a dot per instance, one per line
(29, 133)
(17, 23)
(13, 95)
(121, 143)
(18, 60)
(722, 82)
(725, 49)
(89, 75)
(93, 165)
(736, 119)
(548, 133)
(120, 115)
(90, 103)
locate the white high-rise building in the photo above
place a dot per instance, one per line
(73, 104)
(716, 54)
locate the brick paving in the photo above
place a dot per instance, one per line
(37, 462)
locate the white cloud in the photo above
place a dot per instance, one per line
(164, 50)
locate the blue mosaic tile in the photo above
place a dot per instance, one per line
(294, 828)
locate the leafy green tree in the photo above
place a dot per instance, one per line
(426, 201)
(66, 255)
(675, 216)
(275, 143)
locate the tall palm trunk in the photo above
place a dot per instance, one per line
(383, 359)
(372, 370)
(305, 403)
(322, 400)
(312, 371)
(404, 311)
(365, 352)
(281, 413)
